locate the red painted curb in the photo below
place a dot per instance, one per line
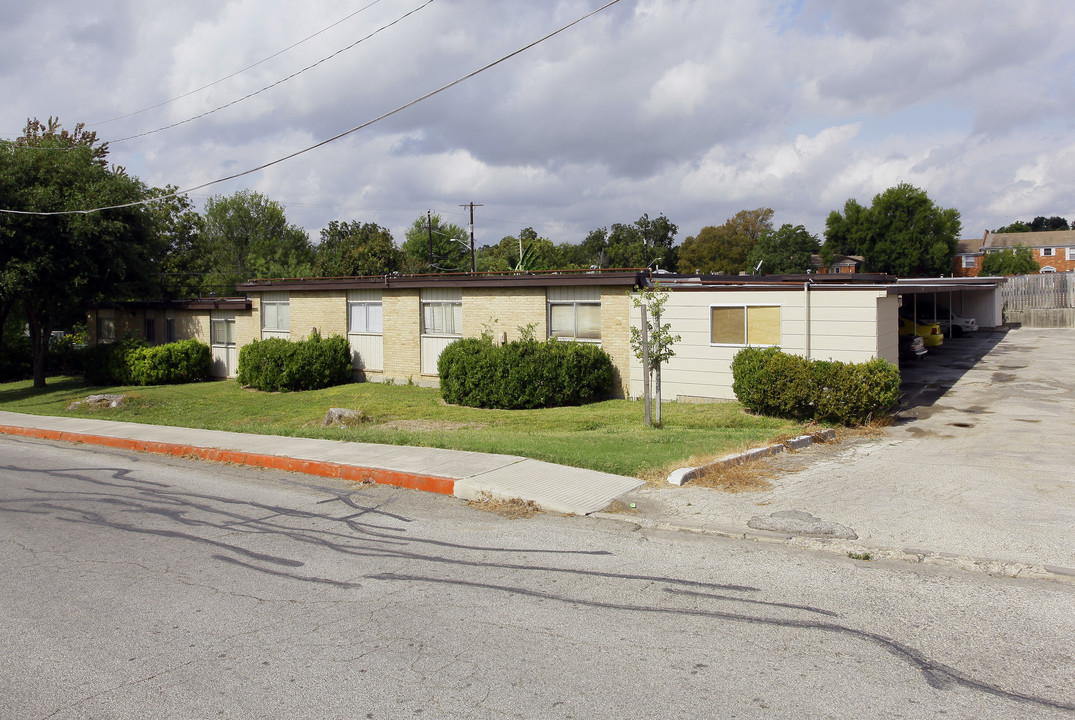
(411, 481)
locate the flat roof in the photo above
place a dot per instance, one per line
(623, 277)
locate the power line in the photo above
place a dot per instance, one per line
(237, 72)
(334, 138)
(278, 82)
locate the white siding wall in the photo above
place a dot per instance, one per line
(845, 325)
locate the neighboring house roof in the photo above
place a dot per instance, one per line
(972, 246)
(1050, 238)
(816, 261)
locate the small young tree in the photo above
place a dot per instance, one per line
(658, 338)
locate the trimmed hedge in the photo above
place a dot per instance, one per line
(276, 364)
(771, 382)
(523, 374)
(133, 362)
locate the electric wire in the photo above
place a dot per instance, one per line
(334, 138)
(237, 72)
(281, 81)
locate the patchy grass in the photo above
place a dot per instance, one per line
(511, 508)
(607, 436)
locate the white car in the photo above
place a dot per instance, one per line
(951, 324)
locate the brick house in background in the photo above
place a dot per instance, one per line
(841, 264)
(967, 262)
(1053, 251)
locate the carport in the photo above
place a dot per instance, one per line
(975, 297)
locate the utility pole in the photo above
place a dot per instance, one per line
(429, 226)
(473, 259)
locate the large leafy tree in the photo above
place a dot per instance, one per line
(644, 243)
(355, 248)
(784, 250)
(246, 236)
(54, 265)
(902, 233)
(178, 227)
(435, 246)
(1009, 261)
(725, 249)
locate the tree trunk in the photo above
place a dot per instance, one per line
(645, 366)
(657, 399)
(39, 343)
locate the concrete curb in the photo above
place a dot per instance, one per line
(341, 471)
(685, 475)
(988, 566)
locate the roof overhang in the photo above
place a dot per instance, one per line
(626, 278)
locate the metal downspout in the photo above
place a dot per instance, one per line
(806, 304)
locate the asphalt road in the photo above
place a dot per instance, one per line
(136, 586)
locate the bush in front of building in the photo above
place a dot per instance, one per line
(524, 374)
(175, 363)
(771, 382)
(133, 362)
(276, 365)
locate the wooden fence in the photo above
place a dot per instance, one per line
(1039, 292)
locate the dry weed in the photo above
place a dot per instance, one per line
(746, 477)
(511, 508)
(617, 507)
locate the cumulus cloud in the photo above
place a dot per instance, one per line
(689, 108)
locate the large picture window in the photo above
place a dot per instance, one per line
(365, 317)
(442, 318)
(575, 321)
(275, 313)
(222, 331)
(745, 325)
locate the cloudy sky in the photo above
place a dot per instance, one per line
(695, 109)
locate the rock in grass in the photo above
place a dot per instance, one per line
(344, 417)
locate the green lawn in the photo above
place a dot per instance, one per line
(608, 436)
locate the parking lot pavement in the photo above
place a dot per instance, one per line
(977, 470)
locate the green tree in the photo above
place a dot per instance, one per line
(902, 233)
(1038, 224)
(725, 249)
(1016, 227)
(435, 246)
(178, 227)
(352, 248)
(659, 338)
(55, 265)
(247, 236)
(1009, 261)
(786, 250)
(643, 243)
(524, 252)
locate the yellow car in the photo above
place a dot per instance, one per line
(930, 332)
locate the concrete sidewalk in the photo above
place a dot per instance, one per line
(451, 472)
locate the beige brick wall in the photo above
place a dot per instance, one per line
(505, 311)
(616, 336)
(324, 310)
(402, 334)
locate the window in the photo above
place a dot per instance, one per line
(106, 326)
(150, 326)
(222, 331)
(575, 321)
(1069, 253)
(275, 313)
(442, 318)
(1047, 252)
(169, 329)
(970, 261)
(364, 317)
(745, 325)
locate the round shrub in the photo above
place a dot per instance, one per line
(523, 374)
(275, 364)
(771, 382)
